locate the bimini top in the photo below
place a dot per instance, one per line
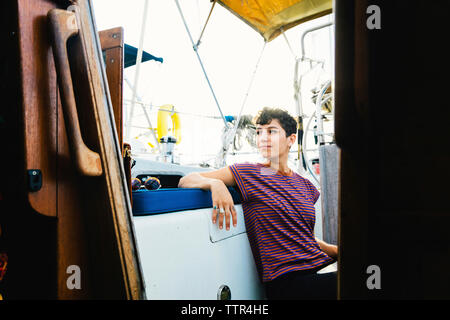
(270, 17)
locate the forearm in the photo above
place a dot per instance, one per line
(329, 249)
(195, 180)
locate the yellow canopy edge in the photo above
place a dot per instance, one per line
(270, 17)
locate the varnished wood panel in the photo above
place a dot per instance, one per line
(114, 259)
(72, 239)
(112, 46)
(39, 90)
(86, 221)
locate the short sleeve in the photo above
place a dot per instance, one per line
(240, 176)
(313, 191)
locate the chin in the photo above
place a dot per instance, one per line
(268, 156)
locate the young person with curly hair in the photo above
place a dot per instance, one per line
(279, 213)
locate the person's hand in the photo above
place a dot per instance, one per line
(223, 205)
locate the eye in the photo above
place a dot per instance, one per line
(258, 132)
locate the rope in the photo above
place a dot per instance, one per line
(204, 27)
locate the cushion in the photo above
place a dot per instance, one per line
(147, 202)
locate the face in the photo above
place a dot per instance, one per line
(272, 141)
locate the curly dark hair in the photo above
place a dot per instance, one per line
(287, 122)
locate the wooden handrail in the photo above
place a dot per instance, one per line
(63, 26)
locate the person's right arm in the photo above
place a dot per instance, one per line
(217, 182)
(329, 249)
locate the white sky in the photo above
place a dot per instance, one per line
(229, 52)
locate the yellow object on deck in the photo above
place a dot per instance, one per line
(271, 17)
(164, 113)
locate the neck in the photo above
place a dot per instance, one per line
(280, 166)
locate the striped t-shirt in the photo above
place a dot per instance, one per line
(279, 217)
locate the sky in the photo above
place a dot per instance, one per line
(229, 51)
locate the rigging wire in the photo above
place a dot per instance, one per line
(139, 101)
(298, 103)
(194, 46)
(231, 138)
(138, 65)
(154, 109)
(288, 43)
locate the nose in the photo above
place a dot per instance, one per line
(263, 136)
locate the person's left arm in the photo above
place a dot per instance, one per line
(329, 249)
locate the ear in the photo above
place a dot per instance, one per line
(292, 139)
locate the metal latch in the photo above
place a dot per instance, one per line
(34, 180)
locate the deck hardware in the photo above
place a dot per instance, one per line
(224, 293)
(34, 180)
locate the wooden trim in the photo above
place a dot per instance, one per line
(112, 46)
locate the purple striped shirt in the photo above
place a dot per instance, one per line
(279, 217)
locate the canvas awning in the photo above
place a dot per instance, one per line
(270, 17)
(131, 55)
